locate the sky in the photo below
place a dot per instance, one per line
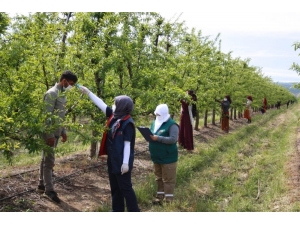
(266, 38)
(259, 30)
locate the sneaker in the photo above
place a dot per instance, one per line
(40, 188)
(52, 195)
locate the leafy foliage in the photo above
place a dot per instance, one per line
(137, 54)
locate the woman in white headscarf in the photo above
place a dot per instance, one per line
(164, 152)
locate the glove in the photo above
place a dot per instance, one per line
(124, 168)
(84, 90)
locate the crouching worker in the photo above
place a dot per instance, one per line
(118, 144)
(164, 152)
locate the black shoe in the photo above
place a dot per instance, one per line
(40, 188)
(52, 195)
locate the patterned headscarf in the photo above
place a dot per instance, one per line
(124, 106)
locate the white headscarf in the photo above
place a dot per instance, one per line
(164, 115)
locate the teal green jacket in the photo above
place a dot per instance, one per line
(162, 153)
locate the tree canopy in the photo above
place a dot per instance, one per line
(137, 54)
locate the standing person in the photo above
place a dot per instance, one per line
(55, 102)
(118, 144)
(287, 104)
(185, 137)
(248, 110)
(265, 104)
(164, 152)
(225, 104)
(278, 104)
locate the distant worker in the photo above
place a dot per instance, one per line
(263, 108)
(278, 104)
(225, 105)
(265, 104)
(185, 137)
(248, 110)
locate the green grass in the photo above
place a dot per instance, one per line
(227, 174)
(224, 175)
(23, 158)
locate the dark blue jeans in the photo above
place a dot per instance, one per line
(121, 188)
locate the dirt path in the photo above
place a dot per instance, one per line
(82, 184)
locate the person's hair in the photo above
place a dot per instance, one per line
(228, 98)
(68, 75)
(192, 93)
(250, 97)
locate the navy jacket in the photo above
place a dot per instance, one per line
(115, 147)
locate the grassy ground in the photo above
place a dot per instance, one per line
(22, 158)
(241, 172)
(244, 171)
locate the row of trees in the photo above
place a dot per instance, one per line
(296, 66)
(138, 54)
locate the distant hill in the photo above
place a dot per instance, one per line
(289, 86)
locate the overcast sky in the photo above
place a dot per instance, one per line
(264, 37)
(263, 31)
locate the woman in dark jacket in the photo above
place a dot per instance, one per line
(225, 105)
(118, 144)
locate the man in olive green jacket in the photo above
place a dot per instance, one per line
(55, 103)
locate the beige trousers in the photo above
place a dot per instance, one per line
(165, 176)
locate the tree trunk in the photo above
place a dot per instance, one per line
(172, 116)
(213, 119)
(205, 118)
(62, 52)
(197, 121)
(234, 113)
(95, 133)
(93, 146)
(231, 113)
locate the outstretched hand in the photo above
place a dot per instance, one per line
(84, 90)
